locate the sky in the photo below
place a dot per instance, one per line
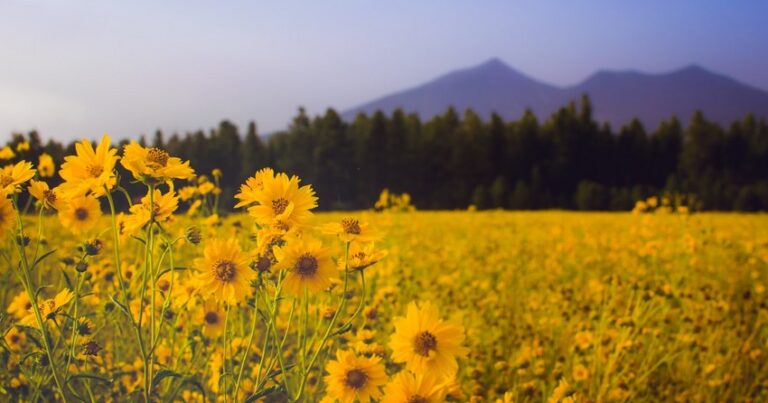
(79, 68)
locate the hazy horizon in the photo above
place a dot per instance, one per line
(83, 68)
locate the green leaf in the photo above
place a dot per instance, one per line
(166, 270)
(67, 279)
(265, 392)
(278, 371)
(119, 305)
(41, 258)
(164, 373)
(196, 384)
(29, 355)
(139, 239)
(41, 288)
(342, 329)
(90, 376)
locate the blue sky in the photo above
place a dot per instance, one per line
(77, 68)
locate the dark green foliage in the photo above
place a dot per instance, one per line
(458, 158)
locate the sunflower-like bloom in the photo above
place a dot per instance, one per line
(352, 378)
(49, 308)
(254, 185)
(184, 293)
(47, 197)
(85, 329)
(7, 153)
(80, 213)
(263, 256)
(162, 208)
(266, 239)
(225, 274)
(308, 265)
(211, 315)
(20, 305)
(194, 208)
(351, 229)
(22, 146)
(13, 176)
(154, 164)
(15, 338)
(45, 166)
(409, 388)
(89, 170)
(426, 343)
(362, 256)
(6, 215)
(187, 192)
(206, 187)
(281, 203)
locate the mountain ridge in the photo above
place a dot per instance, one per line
(617, 96)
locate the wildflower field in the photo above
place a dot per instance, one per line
(173, 300)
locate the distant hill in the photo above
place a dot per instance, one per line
(617, 96)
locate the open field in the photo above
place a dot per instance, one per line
(621, 306)
(618, 306)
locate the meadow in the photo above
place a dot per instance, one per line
(278, 303)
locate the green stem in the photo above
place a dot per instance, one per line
(248, 347)
(33, 299)
(119, 270)
(37, 243)
(148, 276)
(359, 304)
(224, 346)
(273, 327)
(328, 330)
(74, 325)
(167, 300)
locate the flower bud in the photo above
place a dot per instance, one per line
(93, 248)
(91, 348)
(193, 235)
(22, 241)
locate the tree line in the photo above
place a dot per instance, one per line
(454, 160)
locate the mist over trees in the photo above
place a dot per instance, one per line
(457, 159)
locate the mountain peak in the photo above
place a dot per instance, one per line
(494, 62)
(618, 96)
(694, 68)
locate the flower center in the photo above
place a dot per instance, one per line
(263, 264)
(211, 318)
(84, 329)
(359, 256)
(15, 338)
(281, 225)
(48, 309)
(424, 343)
(158, 156)
(49, 196)
(306, 265)
(417, 399)
(91, 348)
(81, 214)
(351, 226)
(356, 378)
(279, 205)
(94, 170)
(155, 211)
(5, 180)
(225, 270)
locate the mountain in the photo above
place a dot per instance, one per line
(617, 96)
